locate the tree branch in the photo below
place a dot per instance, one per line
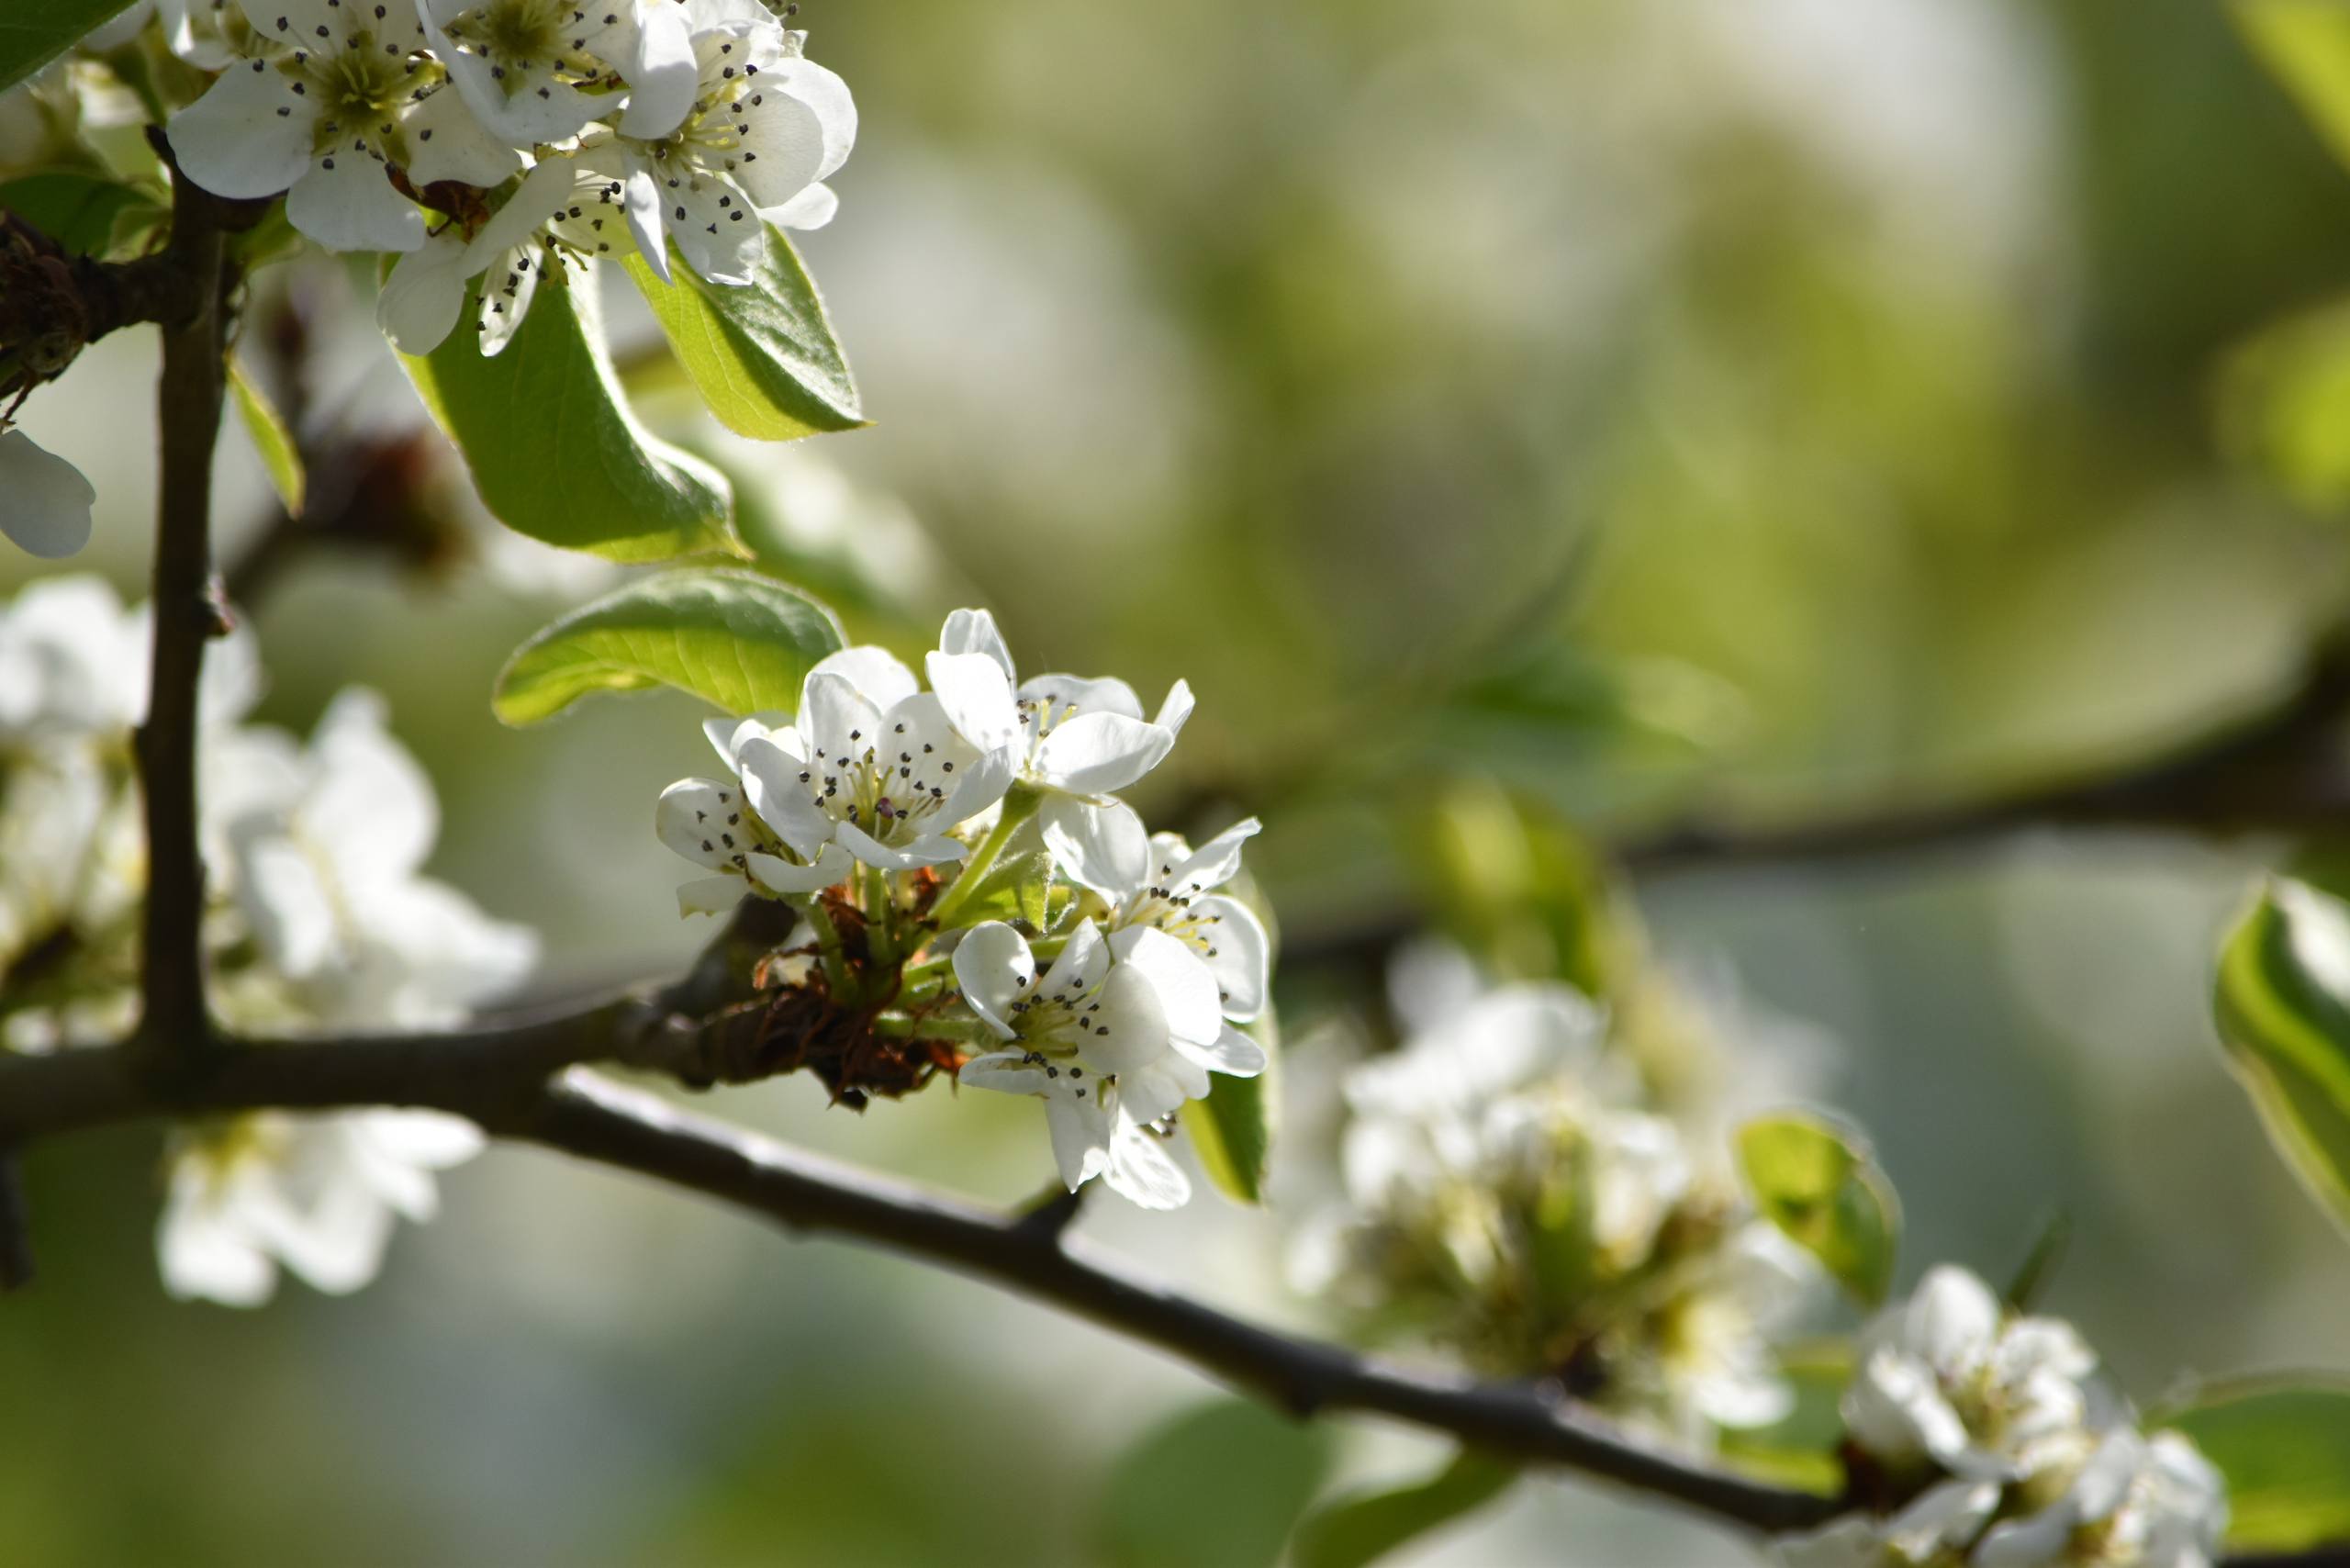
(174, 1027)
(2280, 769)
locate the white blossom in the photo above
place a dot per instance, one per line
(1091, 1039)
(349, 94)
(44, 500)
(324, 846)
(1934, 1527)
(1159, 880)
(319, 1194)
(869, 763)
(763, 127)
(709, 824)
(563, 212)
(1070, 736)
(1951, 1376)
(539, 71)
(2117, 1497)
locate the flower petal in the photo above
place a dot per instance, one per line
(771, 781)
(1140, 1169)
(44, 500)
(690, 816)
(661, 73)
(1231, 1052)
(1083, 963)
(1187, 991)
(1102, 847)
(879, 676)
(425, 294)
(446, 140)
(710, 895)
(974, 632)
(994, 969)
(346, 202)
(811, 208)
(234, 141)
(1215, 862)
(772, 871)
(977, 699)
(1239, 954)
(1007, 1073)
(1096, 753)
(1080, 1131)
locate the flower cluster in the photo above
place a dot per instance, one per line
(1510, 1194)
(500, 138)
(979, 896)
(2008, 1455)
(320, 918)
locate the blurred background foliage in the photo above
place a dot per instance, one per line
(1749, 411)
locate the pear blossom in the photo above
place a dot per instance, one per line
(318, 1193)
(1071, 736)
(563, 212)
(1092, 1040)
(2114, 1497)
(870, 764)
(763, 127)
(1159, 880)
(709, 824)
(1933, 1527)
(324, 846)
(349, 96)
(539, 71)
(1949, 1376)
(44, 500)
(72, 664)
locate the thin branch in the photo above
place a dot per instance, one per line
(186, 613)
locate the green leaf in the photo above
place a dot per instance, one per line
(1232, 1128)
(79, 211)
(1017, 887)
(556, 453)
(1818, 1182)
(2283, 1010)
(1365, 1527)
(2284, 1446)
(763, 356)
(271, 438)
(732, 637)
(2306, 46)
(34, 32)
(1221, 1483)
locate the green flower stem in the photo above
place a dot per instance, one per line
(1018, 807)
(901, 1025)
(828, 944)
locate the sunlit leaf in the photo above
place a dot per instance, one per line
(1232, 1130)
(762, 357)
(554, 448)
(1818, 1184)
(1221, 1483)
(2283, 1009)
(2284, 1446)
(1364, 1526)
(34, 32)
(271, 438)
(732, 637)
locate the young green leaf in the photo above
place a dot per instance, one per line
(2283, 1447)
(732, 637)
(2285, 405)
(2283, 1010)
(1818, 1184)
(1366, 1525)
(2306, 46)
(556, 453)
(764, 357)
(31, 35)
(79, 211)
(270, 437)
(1232, 1130)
